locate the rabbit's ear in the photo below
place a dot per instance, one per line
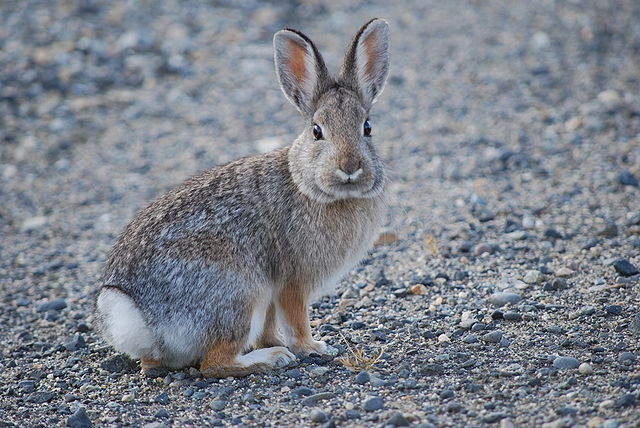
(366, 64)
(300, 69)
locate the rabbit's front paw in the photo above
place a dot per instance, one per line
(313, 347)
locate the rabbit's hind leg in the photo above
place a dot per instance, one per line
(224, 359)
(270, 335)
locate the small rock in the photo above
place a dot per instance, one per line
(565, 422)
(492, 418)
(503, 298)
(532, 277)
(216, 405)
(443, 338)
(595, 422)
(317, 415)
(79, 419)
(559, 284)
(609, 231)
(481, 249)
(566, 411)
(512, 316)
(566, 363)
(493, 336)
(432, 369)
(40, 397)
(162, 413)
(119, 364)
(53, 305)
(75, 343)
(301, 391)
(470, 338)
(162, 398)
(585, 369)
(611, 423)
(127, 398)
(627, 400)
(27, 386)
(626, 356)
(626, 178)
(318, 371)
(372, 404)
(467, 320)
(418, 290)
(362, 378)
(552, 234)
(635, 324)
(446, 394)
(625, 268)
(312, 400)
(396, 419)
(564, 272)
(613, 309)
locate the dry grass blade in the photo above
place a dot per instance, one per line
(432, 244)
(357, 360)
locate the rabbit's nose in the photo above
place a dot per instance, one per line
(348, 178)
(349, 165)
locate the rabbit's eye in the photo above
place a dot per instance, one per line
(317, 131)
(367, 128)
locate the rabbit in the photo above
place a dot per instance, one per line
(220, 270)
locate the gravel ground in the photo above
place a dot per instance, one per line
(506, 292)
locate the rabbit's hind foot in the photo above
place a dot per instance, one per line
(224, 360)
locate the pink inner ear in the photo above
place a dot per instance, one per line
(371, 47)
(296, 61)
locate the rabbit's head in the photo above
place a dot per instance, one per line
(334, 158)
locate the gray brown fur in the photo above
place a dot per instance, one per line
(200, 258)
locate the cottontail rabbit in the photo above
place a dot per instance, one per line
(221, 269)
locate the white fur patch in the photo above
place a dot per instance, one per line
(125, 328)
(258, 318)
(276, 356)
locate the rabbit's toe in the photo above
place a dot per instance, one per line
(283, 357)
(314, 347)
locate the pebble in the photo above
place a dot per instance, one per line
(318, 371)
(626, 178)
(470, 338)
(162, 398)
(532, 277)
(372, 404)
(418, 290)
(119, 364)
(301, 391)
(625, 268)
(492, 337)
(53, 305)
(27, 386)
(362, 378)
(626, 400)
(312, 400)
(79, 419)
(397, 419)
(432, 369)
(76, 342)
(216, 405)
(162, 413)
(626, 356)
(512, 316)
(613, 309)
(566, 363)
(317, 415)
(40, 397)
(467, 319)
(492, 418)
(503, 298)
(585, 369)
(564, 272)
(127, 398)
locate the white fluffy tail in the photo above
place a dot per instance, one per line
(123, 325)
